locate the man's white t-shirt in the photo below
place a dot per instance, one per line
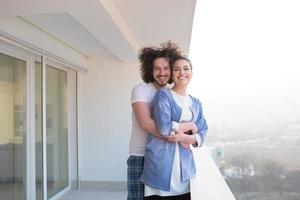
(143, 92)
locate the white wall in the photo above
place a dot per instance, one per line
(72, 124)
(105, 119)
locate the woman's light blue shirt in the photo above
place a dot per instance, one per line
(160, 153)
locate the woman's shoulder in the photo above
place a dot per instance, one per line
(164, 90)
(195, 100)
(162, 95)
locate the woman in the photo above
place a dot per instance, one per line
(169, 166)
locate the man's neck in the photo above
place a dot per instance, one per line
(157, 87)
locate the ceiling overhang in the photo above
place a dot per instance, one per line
(100, 27)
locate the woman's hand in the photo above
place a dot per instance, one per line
(185, 145)
(184, 139)
(177, 137)
(194, 128)
(187, 127)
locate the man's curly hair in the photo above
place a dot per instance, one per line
(147, 55)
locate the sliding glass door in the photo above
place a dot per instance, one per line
(56, 136)
(12, 128)
(57, 130)
(38, 131)
(34, 125)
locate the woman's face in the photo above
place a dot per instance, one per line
(181, 72)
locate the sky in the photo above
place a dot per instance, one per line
(246, 61)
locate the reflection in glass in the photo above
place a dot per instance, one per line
(56, 134)
(12, 128)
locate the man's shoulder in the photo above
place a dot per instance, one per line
(142, 92)
(143, 86)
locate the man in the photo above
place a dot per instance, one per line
(156, 72)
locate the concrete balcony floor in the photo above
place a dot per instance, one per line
(94, 194)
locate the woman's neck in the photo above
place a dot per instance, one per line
(180, 90)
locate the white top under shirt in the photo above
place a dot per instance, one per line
(176, 186)
(143, 92)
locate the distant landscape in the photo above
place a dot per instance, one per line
(261, 163)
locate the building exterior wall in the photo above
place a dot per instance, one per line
(105, 119)
(72, 124)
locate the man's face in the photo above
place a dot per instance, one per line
(161, 72)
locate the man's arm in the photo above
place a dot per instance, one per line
(143, 116)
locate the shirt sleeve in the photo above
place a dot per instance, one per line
(139, 94)
(161, 112)
(199, 140)
(175, 126)
(200, 123)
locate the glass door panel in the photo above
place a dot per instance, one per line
(57, 130)
(12, 128)
(38, 132)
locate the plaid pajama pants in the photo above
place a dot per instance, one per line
(135, 188)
